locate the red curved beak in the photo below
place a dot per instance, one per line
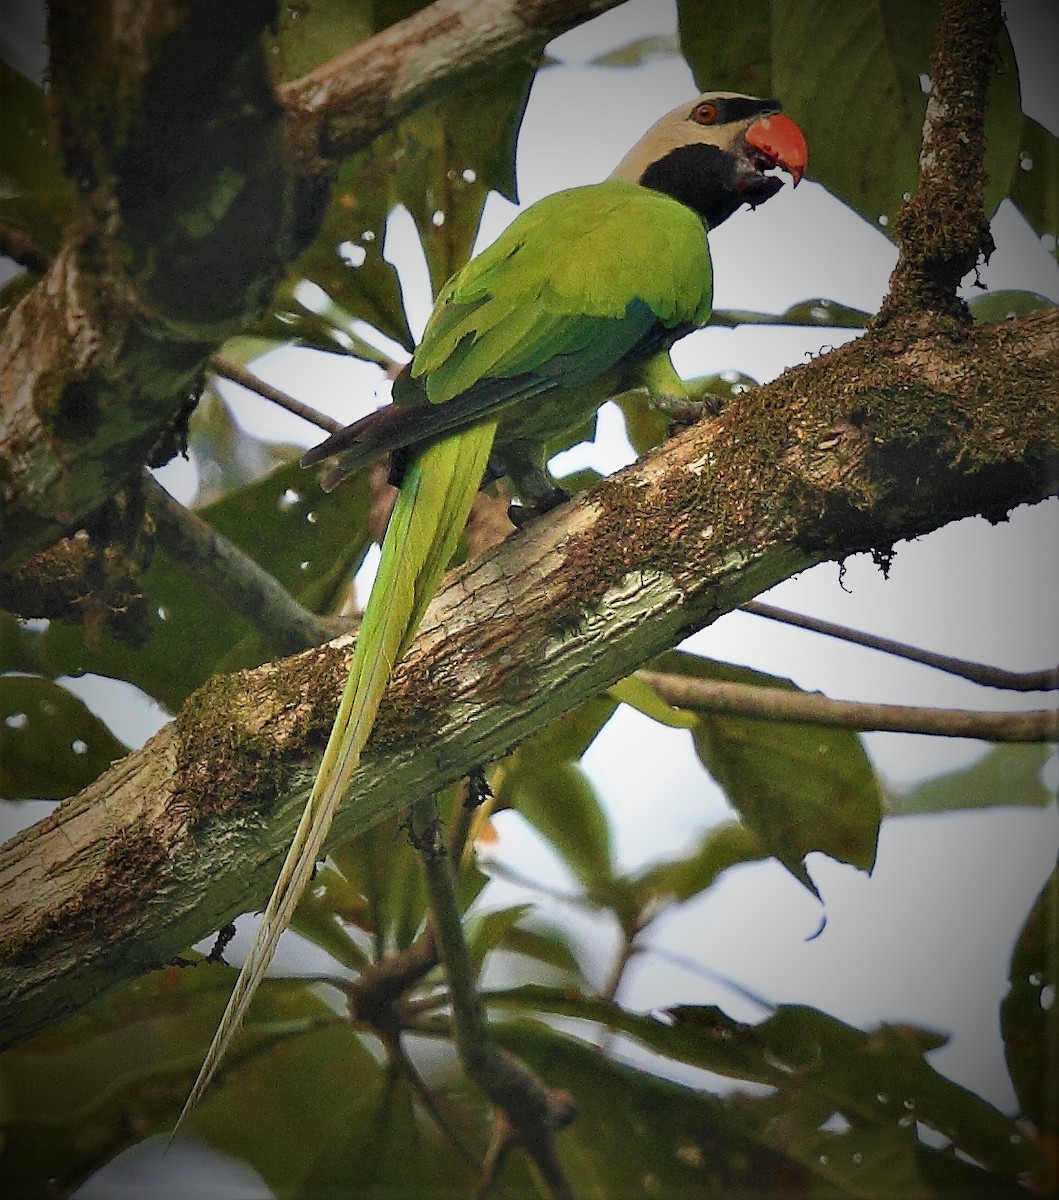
(780, 141)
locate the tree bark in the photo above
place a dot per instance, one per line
(880, 440)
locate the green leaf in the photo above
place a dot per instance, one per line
(640, 696)
(323, 911)
(119, 1071)
(542, 781)
(1034, 187)
(545, 944)
(382, 867)
(1029, 1018)
(639, 52)
(306, 34)
(1006, 303)
(819, 1065)
(556, 798)
(1006, 776)
(637, 1135)
(51, 744)
(800, 788)
(822, 313)
(678, 879)
(35, 195)
(489, 930)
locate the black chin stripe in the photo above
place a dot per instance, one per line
(743, 108)
(700, 176)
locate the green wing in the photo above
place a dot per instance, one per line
(580, 282)
(576, 284)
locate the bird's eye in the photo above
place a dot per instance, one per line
(705, 113)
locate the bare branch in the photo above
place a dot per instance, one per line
(227, 369)
(344, 104)
(247, 587)
(810, 708)
(981, 673)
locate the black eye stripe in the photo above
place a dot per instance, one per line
(738, 108)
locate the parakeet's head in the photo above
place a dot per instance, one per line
(713, 154)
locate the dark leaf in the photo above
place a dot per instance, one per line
(800, 788)
(51, 744)
(678, 879)
(35, 195)
(1006, 303)
(1029, 1018)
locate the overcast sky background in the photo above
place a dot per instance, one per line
(928, 936)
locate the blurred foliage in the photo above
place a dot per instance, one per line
(51, 745)
(35, 195)
(322, 1101)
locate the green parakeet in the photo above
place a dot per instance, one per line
(579, 299)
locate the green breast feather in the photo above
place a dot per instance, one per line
(575, 285)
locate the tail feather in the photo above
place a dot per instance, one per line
(431, 511)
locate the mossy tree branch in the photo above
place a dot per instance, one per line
(874, 442)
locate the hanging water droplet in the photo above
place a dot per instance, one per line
(926, 84)
(1035, 979)
(438, 218)
(17, 720)
(906, 196)
(1025, 161)
(78, 746)
(163, 612)
(1047, 997)
(470, 175)
(303, 565)
(884, 219)
(289, 499)
(352, 254)
(311, 517)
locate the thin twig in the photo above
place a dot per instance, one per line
(533, 1112)
(426, 1097)
(776, 704)
(981, 673)
(236, 373)
(246, 586)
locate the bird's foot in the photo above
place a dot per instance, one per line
(683, 411)
(520, 515)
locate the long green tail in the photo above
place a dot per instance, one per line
(428, 518)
